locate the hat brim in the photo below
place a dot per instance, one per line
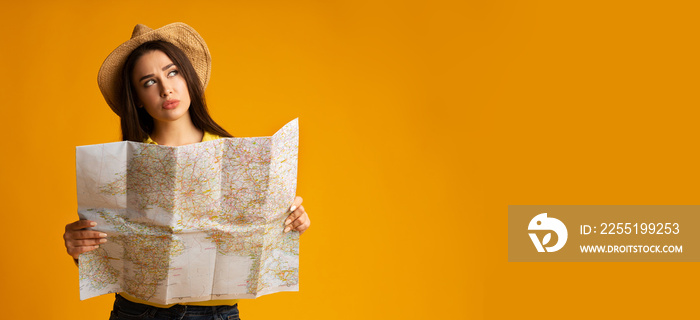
(180, 34)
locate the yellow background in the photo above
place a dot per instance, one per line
(420, 122)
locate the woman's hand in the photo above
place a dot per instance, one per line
(298, 220)
(78, 240)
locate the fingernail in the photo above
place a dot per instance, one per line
(97, 247)
(293, 208)
(103, 240)
(287, 229)
(103, 235)
(288, 221)
(92, 224)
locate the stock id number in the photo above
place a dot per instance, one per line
(630, 228)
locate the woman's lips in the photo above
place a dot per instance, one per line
(171, 104)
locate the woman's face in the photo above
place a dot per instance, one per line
(161, 88)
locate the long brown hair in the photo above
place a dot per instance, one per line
(136, 123)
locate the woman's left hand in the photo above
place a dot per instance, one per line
(298, 220)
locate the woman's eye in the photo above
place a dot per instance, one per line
(149, 83)
(172, 73)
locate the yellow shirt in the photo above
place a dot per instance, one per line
(207, 137)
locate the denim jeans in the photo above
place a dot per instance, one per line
(127, 310)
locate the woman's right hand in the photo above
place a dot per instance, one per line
(78, 239)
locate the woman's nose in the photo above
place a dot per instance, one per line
(166, 89)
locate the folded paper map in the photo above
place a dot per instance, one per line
(192, 223)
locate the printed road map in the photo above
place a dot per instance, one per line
(191, 223)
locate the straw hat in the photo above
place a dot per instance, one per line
(178, 33)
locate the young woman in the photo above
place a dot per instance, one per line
(155, 83)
